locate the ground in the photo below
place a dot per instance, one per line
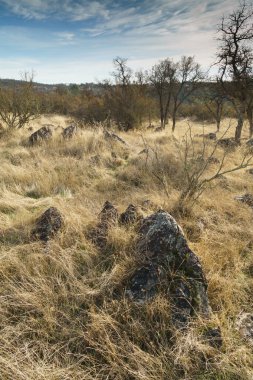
(58, 316)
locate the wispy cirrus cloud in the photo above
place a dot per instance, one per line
(58, 9)
(92, 32)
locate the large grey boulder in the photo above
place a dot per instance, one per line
(167, 264)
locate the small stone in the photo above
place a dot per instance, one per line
(246, 198)
(69, 132)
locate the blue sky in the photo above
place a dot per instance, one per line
(75, 41)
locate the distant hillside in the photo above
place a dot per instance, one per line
(42, 87)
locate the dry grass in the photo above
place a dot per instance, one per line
(59, 318)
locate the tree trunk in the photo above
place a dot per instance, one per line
(218, 124)
(219, 110)
(239, 126)
(250, 120)
(173, 121)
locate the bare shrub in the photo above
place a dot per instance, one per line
(19, 105)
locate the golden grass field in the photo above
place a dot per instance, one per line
(58, 318)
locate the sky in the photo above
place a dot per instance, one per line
(75, 41)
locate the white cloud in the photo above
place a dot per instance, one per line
(59, 9)
(145, 31)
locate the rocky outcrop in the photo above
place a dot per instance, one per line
(108, 217)
(167, 264)
(69, 132)
(48, 224)
(42, 134)
(130, 216)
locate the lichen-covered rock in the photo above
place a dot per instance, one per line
(167, 263)
(131, 215)
(48, 224)
(109, 214)
(44, 133)
(69, 132)
(108, 217)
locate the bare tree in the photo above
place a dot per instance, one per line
(122, 73)
(214, 101)
(235, 57)
(162, 78)
(188, 76)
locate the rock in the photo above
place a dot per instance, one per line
(109, 214)
(69, 132)
(44, 133)
(131, 215)
(228, 143)
(96, 160)
(108, 217)
(244, 325)
(167, 262)
(250, 171)
(159, 129)
(113, 136)
(209, 136)
(48, 224)
(213, 336)
(246, 198)
(147, 204)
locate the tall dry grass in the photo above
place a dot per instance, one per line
(59, 316)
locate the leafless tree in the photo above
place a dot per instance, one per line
(122, 72)
(162, 77)
(188, 76)
(214, 100)
(235, 58)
